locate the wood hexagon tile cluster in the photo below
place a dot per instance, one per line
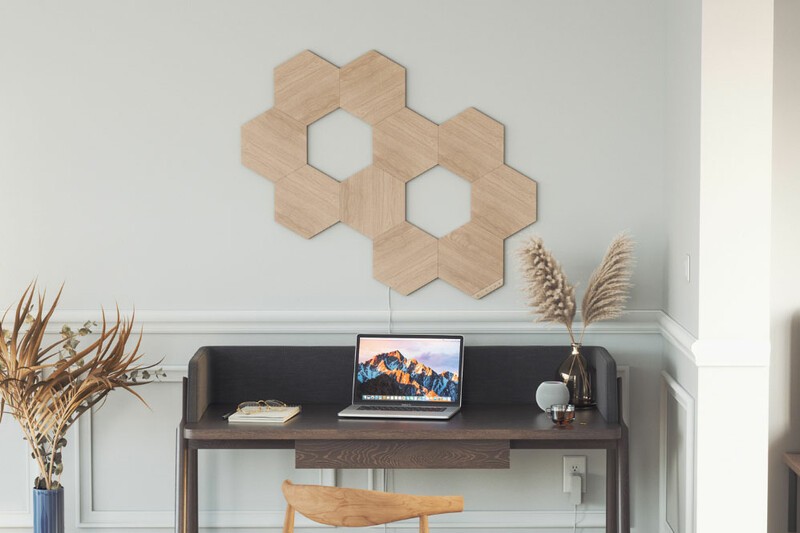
(372, 201)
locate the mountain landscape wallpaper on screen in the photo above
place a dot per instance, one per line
(393, 374)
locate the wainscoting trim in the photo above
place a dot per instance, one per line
(678, 336)
(672, 389)
(22, 518)
(321, 322)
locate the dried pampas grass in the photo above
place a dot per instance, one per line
(610, 284)
(549, 292)
(553, 298)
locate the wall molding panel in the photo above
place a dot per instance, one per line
(685, 479)
(22, 517)
(678, 336)
(86, 515)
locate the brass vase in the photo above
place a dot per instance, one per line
(575, 373)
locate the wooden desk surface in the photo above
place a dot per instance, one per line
(474, 422)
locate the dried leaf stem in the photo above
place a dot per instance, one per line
(46, 387)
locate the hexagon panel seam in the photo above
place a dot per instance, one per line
(503, 201)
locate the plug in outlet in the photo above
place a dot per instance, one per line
(574, 464)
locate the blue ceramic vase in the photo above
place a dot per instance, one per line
(48, 511)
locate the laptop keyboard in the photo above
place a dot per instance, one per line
(400, 408)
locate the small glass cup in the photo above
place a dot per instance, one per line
(561, 414)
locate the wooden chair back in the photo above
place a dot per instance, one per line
(336, 506)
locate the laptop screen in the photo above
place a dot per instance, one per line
(408, 368)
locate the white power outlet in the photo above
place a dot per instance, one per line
(574, 464)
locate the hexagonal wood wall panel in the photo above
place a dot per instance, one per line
(471, 259)
(405, 144)
(307, 201)
(405, 258)
(372, 201)
(372, 87)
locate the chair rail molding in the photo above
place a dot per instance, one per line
(349, 321)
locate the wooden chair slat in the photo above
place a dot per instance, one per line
(342, 507)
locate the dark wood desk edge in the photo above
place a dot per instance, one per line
(792, 460)
(319, 422)
(288, 444)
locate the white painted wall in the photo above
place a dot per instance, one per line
(119, 167)
(682, 179)
(785, 338)
(682, 196)
(120, 139)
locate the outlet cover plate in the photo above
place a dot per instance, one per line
(574, 464)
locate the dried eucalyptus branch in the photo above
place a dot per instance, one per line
(46, 387)
(549, 292)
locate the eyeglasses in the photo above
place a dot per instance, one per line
(260, 406)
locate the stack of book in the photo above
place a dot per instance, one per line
(275, 415)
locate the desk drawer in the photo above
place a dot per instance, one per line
(401, 454)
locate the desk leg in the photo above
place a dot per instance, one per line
(186, 486)
(180, 481)
(191, 491)
(612, 511)
(792, 527)
(624, 484)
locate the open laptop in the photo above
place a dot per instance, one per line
(407, 376)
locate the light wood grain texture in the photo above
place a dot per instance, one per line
(402, 454)
(273, 144)
(405, 144)
(288, 520)
(504, 201)
(372, 201)
(372, 87)
(471, 259)
(307, 201)
(405, 258)
(471, 144)
(340, 507)
(306, 87)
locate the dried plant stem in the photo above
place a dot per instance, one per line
(46, 391)
(553, 298)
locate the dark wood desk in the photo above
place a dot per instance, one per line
(792, 461)
(480, 436)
